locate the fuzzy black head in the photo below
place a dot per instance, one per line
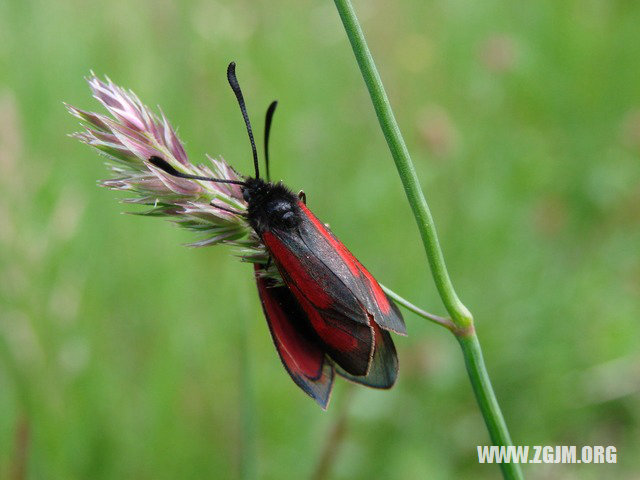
(270, 206)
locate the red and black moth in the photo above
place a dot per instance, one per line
(330, 315)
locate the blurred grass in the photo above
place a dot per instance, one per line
(121, 348)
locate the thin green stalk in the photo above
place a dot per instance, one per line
(335, 437)
(20, 460)
(460, 316)
(248, 447)
(459, 313)
(442, 321)
(478, 374)
(486, 398)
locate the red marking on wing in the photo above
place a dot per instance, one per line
(300, 354)
(352, 262)
(331, 335)
(296, 271)
(348, 344)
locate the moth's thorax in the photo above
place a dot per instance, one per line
(270, 206)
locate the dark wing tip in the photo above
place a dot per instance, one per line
(383, 371)
(322, 395)
(394, 321)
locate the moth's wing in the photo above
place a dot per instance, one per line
(334, 313)
(348, 343)
(338, 294)
(301, 353)
(351, 272)
(384, 364)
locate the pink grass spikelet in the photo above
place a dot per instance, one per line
(132, 134)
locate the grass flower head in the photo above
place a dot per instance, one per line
(130, 136)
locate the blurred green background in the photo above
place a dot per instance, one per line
(121, 351)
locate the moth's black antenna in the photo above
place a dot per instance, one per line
(166, 167)
(267, 128)
(235, 86)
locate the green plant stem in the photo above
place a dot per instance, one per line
(486, 399)
(460, 316)
(335, 438)
(459, 313)
(478, 374)
(442, 321)
(248, 434)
